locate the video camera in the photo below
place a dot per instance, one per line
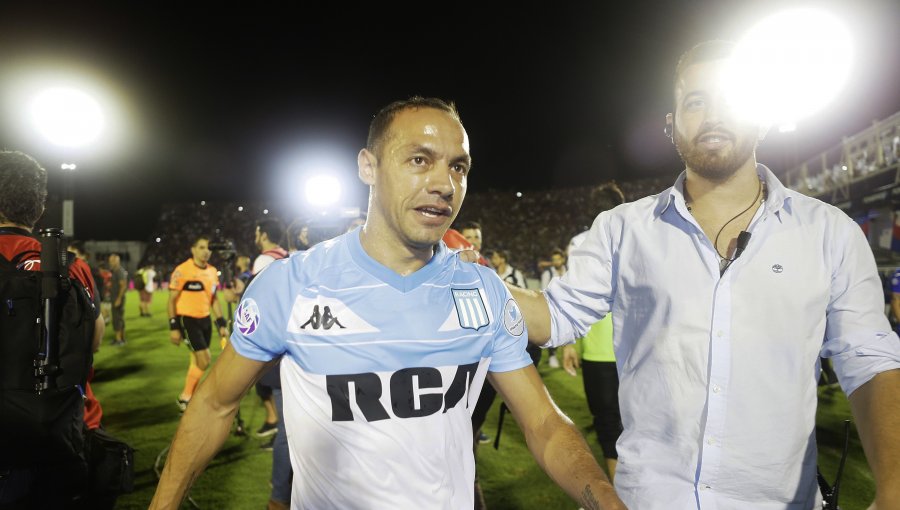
(224, 248)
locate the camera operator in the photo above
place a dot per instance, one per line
(242, 275)
(192, 295)
(23, 189)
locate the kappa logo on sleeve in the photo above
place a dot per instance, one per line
(513, 320)
(246, 320)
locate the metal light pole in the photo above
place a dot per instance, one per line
(68, 205)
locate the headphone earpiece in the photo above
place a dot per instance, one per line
(668, 130)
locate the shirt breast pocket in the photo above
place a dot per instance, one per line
(786, 282)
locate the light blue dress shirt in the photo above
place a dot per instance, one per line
(718, 373)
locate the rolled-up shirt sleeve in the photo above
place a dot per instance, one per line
(584, 294)
(858, 337)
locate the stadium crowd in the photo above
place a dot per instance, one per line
(551, 218)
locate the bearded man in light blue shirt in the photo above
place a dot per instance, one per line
(724, 290)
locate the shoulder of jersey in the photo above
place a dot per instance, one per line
(485, 273)
(311, 261)
(320, 254)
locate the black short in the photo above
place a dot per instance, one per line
(198, 331)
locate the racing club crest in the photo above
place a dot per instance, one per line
(470, 308)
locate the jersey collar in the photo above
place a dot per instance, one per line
(388, 276)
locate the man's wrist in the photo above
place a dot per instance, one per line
(221, 323)
(600, 496)
(175, 323)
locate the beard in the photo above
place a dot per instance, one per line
(715, 165)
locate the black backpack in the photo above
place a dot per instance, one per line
(41, 418)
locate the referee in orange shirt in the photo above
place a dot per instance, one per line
(192, 293)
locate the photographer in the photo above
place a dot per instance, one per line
(192, 294)
(23, 189)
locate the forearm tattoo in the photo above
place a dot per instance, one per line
(588, 500)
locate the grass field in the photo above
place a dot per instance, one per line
(138, 384)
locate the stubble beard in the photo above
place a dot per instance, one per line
(715, 165)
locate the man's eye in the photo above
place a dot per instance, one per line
(695, 103)
(459, 168)
(418, 160)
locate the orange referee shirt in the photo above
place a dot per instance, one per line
(197, 285)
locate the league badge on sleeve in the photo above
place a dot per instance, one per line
(470, 308)
(246, 320)
(513, 320)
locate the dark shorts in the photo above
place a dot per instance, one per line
(198, 331)
(270, 379)
(118, 317)
(601, 387)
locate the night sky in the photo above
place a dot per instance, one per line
(222, 103)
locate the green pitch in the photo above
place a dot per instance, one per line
(138, 384)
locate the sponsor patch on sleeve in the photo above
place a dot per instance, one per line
(246, 320)
(513, 320)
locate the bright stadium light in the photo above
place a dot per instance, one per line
(788, 66)
(67, 117)
(323, 190)
(787, 127)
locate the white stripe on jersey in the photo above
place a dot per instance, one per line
(455, 285)
(388, 462)
(344, 289)
(375, 342)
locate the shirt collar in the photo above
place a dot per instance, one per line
(777, 197)
(387, 275)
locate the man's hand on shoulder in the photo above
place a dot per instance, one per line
(469, 255)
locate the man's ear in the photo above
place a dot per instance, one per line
(669, 129)
(367, 163)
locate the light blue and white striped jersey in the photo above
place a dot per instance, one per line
(380, 371)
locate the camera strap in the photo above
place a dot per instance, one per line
(830, 493)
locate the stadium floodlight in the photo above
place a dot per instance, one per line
(789, 66)
(68, 166)
(323, 190)
(787, 127)
(67, 117)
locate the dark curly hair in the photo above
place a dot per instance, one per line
(23, 189)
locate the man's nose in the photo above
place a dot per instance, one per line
(719, 110)
(440, 180)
